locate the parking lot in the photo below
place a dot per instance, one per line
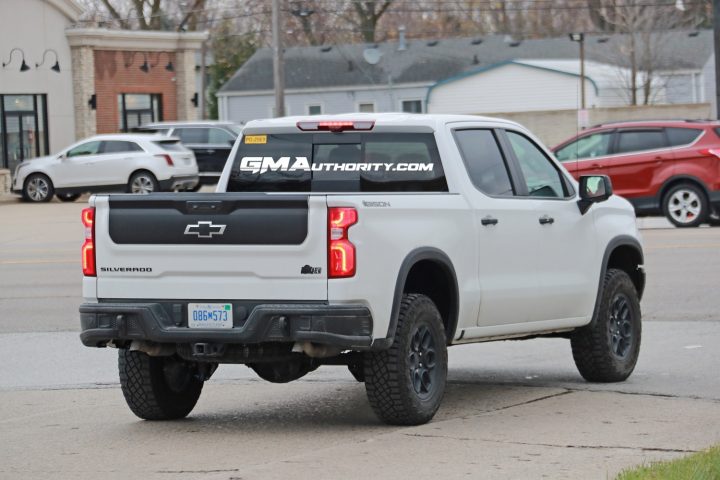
(512, 409)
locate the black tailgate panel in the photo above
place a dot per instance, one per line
(208, 218)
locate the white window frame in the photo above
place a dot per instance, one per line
(422, 104)
(371, 102)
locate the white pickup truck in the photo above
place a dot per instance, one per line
(372, 241)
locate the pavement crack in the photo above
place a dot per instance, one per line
(527, 402)
(554, 445)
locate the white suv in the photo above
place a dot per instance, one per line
(105, 163)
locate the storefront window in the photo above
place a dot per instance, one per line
(23, 128)
(138, 109)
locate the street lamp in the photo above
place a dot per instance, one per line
(580, 39)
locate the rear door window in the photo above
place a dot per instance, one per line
(218, 136)
(484, 161)
(116, 146)
(682, 136)
(347, 162)
(640, 140)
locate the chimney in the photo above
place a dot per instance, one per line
(402, 45)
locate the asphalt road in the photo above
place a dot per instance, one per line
(512, 409)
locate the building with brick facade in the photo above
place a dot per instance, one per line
(60, 83)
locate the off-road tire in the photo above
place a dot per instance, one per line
(391, 375)
(38, 188)
(595, 347)
(67, 197)
(699, 202)
(148, 392)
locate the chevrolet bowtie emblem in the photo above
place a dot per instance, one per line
(205, 229)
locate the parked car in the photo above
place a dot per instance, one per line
(138, 163)
(386, 239)
(661, 167)
(210, 141)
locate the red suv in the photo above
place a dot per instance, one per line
(671, 167)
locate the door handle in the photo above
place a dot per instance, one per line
(546, 220)
(595, 166)
(210, 151)
(489, 221)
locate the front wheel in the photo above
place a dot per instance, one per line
(158, 388)
(406, 383)
(685, 205)
(607, 349)
(38, 188)
(143, 183)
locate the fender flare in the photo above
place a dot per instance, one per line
(615, 242)
(412, 258)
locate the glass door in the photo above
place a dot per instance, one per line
(23, 128)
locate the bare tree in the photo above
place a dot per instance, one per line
(647, 30)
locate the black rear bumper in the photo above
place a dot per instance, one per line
(345, 326)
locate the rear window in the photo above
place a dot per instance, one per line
(346, 162)
(682, 136)
(170, 145)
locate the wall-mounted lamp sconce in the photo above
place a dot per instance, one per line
(56, 67)
(195, 100)
(23, 66)
(169, 67)
(92, 103)
(145, 67)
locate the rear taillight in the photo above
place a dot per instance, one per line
(88, 248)
(341, 252)
(711, 151)
(168, 159)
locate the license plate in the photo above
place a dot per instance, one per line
(210, 315)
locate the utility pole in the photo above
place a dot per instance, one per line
(278, 64)
(580, 39)
(716, 30)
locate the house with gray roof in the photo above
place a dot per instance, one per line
(410, 75)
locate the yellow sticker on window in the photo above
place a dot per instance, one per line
(256, 139)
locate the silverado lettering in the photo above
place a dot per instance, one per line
(126, 269)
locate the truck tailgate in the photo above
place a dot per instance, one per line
(211, 246)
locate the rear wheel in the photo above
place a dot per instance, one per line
(158, 388)
(67, 197)
(685, 205)
(143, 182)
(406, 383)
(607, 349)
(38, 188)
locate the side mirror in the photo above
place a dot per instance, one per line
(593, 189)
(231, 142)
